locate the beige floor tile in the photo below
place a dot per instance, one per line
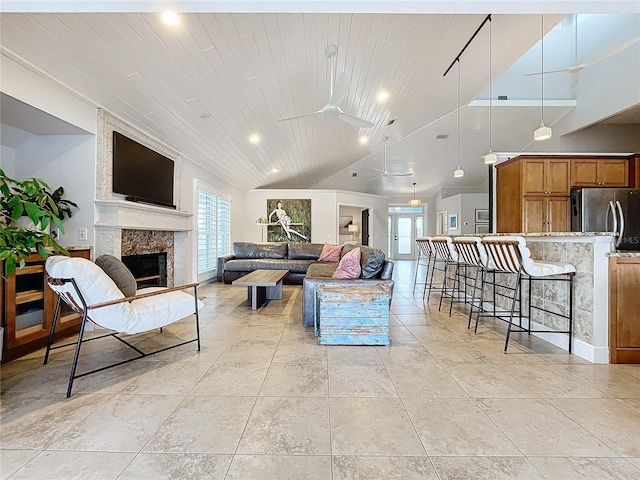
(177, 466)
(233, 379)
(296, 379)
(433, 332)
(12, 460)
(538, 428)
(550, 381)
(360, 381)
(123, 424)
(424, 381)
(295, 352)
(485, 468)
(457, 427)
(280, 467)
(635, 461)
(632, 403)
(387, 468)
(36, 420)
(74, 466)
(249, 351)
(287, 426)
(444, 353)
(609, 420)
(177, 378)
(353, 354)
(372, 426)
(406, 309)
(614, 380)
(585, 468)
(203, 424)
(405, 355)
(488, 381)
(399, 335)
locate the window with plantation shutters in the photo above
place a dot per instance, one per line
(214, 229)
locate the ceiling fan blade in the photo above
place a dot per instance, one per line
(355, 121)
(406, 174)
(377, 177)
(613, 51)
(574, 77)
(568, 69)
(300, 116)
(340, 89)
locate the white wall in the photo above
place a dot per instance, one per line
(8, 160)
(465, 205)
(67, 161)
(324, 213)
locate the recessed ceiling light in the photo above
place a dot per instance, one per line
(170, 18)
(254, 138)
(363, 139)
(275, 170)
(382, 96)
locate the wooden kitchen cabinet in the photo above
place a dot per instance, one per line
(624, 310)
(599, 172)
(544, 176)
(546, 214)
(28, 308)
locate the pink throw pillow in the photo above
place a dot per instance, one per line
(349, 267)
(330, 253)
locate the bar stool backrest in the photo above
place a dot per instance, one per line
(510, 254)
(471, 251)
(443, 249)
(424, 244)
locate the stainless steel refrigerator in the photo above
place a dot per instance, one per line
(608, 210)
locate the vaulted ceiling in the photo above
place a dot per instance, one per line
(204, 86)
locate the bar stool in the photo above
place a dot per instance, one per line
(446, 254)
(425, 256)
(511, 255)
(472, 253)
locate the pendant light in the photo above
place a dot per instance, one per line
(543, 132)
(490, 158)
(414, 202)
(458, 172)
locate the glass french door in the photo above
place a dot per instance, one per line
(404, 237)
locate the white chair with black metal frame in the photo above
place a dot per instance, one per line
(90, 292)
(511, 255)
(425, 256)
(446, 253)
(472, 253)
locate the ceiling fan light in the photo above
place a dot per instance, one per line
(542, 133)
(414, 202)
(490, 158)
(458, 172)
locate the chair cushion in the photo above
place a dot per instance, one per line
(119, 273)
(330, 253)
(349, 266)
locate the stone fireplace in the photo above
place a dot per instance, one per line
(128, 228)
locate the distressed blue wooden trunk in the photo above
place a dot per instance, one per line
(357, 315)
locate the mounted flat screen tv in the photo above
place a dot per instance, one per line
(140, 173)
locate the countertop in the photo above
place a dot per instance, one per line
(624, 253)
(540, 234)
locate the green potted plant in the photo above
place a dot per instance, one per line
(31, 198)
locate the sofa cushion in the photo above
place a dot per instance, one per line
(304, 251)
(119, 273)
(349, 266)
(259, 250)
(330, 253)
(251, 264)
(371, 260)
(321, 270)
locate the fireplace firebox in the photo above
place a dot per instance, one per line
(149, 270)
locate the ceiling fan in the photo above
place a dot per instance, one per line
(339, 90)
(574, 71)
(385, 172)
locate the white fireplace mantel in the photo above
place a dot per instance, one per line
(123, 214)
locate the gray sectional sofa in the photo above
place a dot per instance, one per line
(301, 259)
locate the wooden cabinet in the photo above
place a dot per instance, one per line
(29, 305)
(545, 214)
(624, 310)
(599, 172)
(543, 176)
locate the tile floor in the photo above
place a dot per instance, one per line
(263, 400)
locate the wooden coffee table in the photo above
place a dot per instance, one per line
(262, 285)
